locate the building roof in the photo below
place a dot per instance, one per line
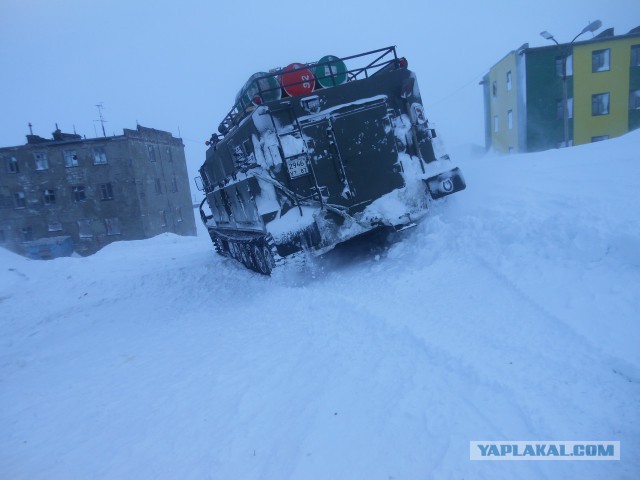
(60, 138)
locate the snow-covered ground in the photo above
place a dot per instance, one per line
(511, 313)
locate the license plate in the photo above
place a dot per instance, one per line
(297, 167)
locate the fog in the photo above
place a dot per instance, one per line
(177, 66)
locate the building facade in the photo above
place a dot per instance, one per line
(524, 99)
(72, 194)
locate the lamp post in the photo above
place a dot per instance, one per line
(564, 50)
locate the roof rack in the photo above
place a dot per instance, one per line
(362, 65)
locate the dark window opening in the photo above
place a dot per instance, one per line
(112, 225)
(49, 197)
(12, 165)
(70, 158)
(635, 55)
(634, 100)
(600, 104)
(20, 199)
(78, 193)
(600, 60)
(99, 156)
(27, 234)
(42, 162)
(106, 191)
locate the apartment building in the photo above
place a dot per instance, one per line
(524, 93)
(70, 194)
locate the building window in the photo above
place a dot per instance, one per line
(55, 227)
(600, 104)
(151, 152)
(179, 214)
(599, 138)
(510, 119)
(174, 184)
(99, 156)
(169, 154)
(635, 55)
(49, 197)
(84, 229)
(19, 200)
(12, 165)
(569, 66)
(163, 218)
(600, 60)
(560, 109)
(634, 100)
(158, 186)
(42, 162)
(106, 191)
(78, 193)
(70, 158)
(494, 88)
(495, 123)
(27, 234)
(509, 85)
(112, 226)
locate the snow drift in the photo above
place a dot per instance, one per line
(511, 313)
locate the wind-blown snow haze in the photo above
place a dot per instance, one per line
(509, 314)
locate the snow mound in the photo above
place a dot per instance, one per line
(510, 313)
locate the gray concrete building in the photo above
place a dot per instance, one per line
(69, 194)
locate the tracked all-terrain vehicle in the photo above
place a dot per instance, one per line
(314, 154)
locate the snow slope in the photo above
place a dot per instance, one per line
(511, 313)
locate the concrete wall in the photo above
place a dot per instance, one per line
(119, 201)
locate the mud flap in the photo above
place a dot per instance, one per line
(308, 237)
(445, 183)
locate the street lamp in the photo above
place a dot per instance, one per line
(564, 50)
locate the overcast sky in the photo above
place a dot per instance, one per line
(177, 65)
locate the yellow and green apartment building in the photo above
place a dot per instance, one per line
(523, 93)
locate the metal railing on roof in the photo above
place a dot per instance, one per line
(384, 59)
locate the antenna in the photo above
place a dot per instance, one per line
(30, 129)
(102, 120)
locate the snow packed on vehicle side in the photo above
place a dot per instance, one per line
(509, 313)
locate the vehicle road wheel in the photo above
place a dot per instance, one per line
(245, 253)
(263, 259)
